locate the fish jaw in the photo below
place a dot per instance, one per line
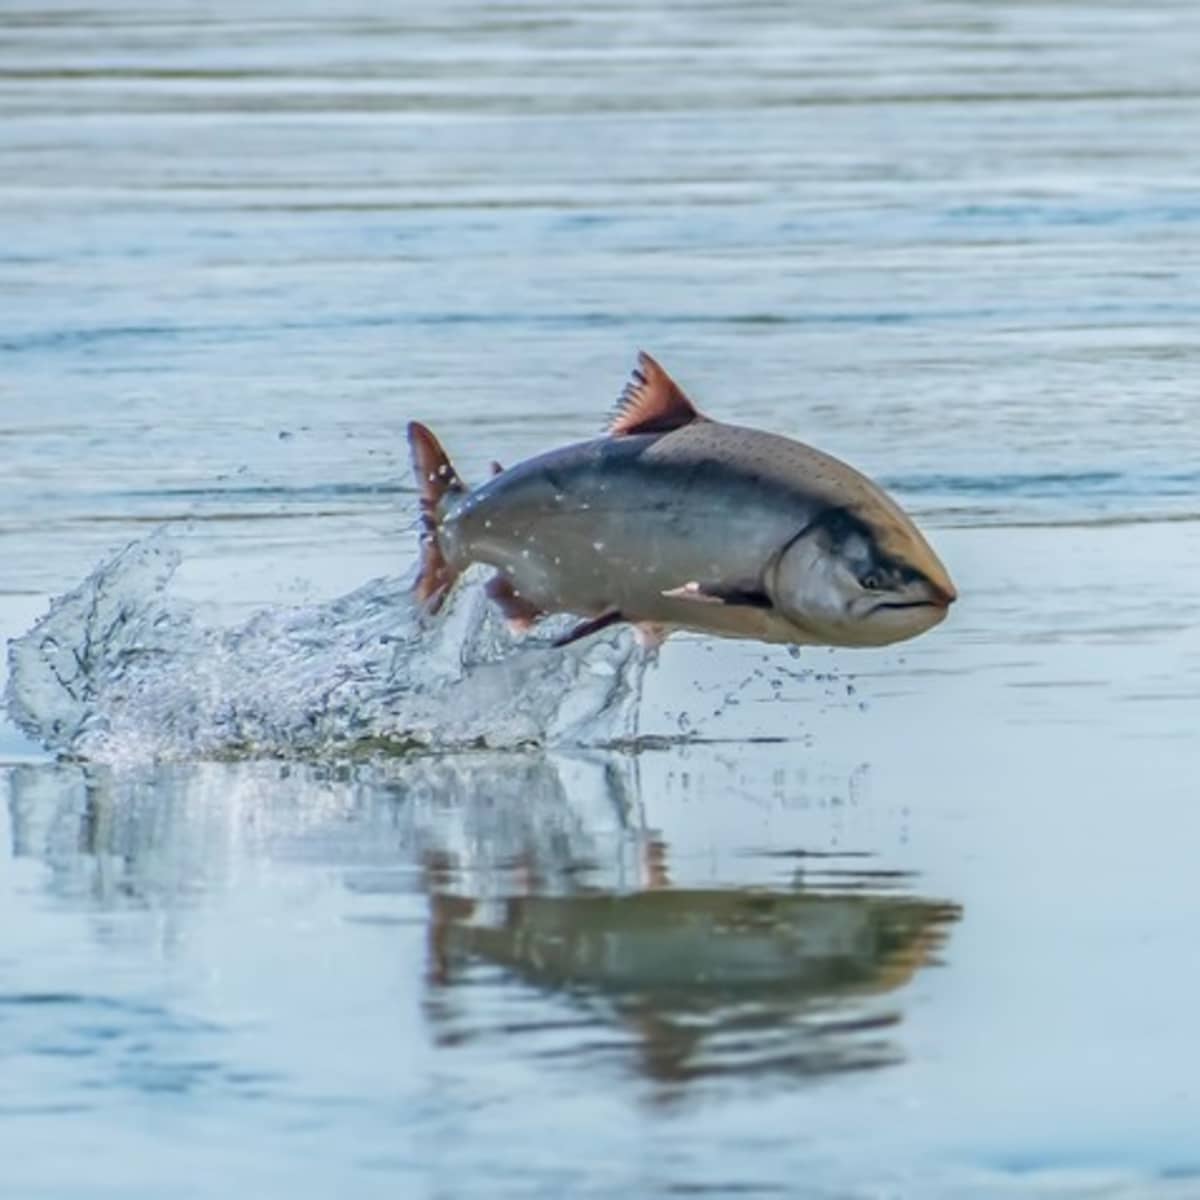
(889, 625)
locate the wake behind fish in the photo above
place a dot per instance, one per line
(121, 669)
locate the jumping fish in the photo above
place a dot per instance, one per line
(675, 521)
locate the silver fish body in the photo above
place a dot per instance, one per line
(701, 525)
(615, 523)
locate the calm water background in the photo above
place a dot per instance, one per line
(939, 941)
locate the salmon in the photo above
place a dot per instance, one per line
(675, 521)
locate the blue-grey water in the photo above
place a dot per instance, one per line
(906, 923)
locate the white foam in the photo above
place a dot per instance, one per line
(119, 669)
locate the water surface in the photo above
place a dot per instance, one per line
(905, 923)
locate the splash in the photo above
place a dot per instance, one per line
(119, 669)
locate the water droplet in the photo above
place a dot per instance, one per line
(598, 547)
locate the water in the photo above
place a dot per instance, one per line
(116, 672)
(905, 923)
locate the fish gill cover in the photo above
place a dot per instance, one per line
(121, 669)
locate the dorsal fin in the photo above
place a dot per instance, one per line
(652, 402)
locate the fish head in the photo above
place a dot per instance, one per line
(861, 577)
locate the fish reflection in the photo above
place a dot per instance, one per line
(546, 889)
(704, 981)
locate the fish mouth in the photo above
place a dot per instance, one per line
(941, 601)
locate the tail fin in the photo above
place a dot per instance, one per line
(436, 478)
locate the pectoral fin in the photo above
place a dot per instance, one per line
(720, 593)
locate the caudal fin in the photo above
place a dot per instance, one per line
(436, 478)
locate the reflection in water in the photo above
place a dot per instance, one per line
(544, 886)
(708, 981)
(163, 834)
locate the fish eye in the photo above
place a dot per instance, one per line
(872, 581)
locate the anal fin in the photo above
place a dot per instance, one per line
(650, 634)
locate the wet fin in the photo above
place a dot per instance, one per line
(518, 612)
(654, 863)
(497, 469)
(652, 402)
(587, 628)
(713, 593)
(436, 479)
(650, 634)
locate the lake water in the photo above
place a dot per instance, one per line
(916, 922)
